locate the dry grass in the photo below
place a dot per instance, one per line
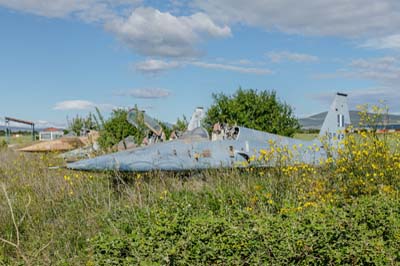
(48, 217)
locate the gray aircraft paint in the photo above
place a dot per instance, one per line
(194, 152)
(337, 119)
(196, 119)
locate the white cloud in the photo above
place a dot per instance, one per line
(277, 57)
(151, 32)
(45, 124)
(248, 70)
(342, 18)
(372, 96)
(244, 62)
(80, 105)
(38, 124)
(388, 42)
(156, 66)
(87, 10)
(47, 8)
(74, 105)
(383, 69)
(388, 95)
(145, 30)
(152, 66)
(149, 93)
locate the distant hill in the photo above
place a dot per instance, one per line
(17, 129)
(315, 121)
(22, 129)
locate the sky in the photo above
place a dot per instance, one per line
(62, 58)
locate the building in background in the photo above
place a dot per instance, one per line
(50, 133)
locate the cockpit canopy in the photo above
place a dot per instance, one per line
(196, 134)
(134, 116)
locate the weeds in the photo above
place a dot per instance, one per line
(344, 210)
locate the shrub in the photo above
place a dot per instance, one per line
(116, 129)
(260, 110)
(3, 144)
(365, 232)
(290, 214)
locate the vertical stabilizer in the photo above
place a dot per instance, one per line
(337, 119)
(196, 119)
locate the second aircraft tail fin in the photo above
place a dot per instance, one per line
(337, 119)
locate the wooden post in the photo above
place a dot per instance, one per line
(33, 132)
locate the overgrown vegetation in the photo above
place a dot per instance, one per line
(3, 144)
(90, 122)
(181, 124)
(260, 110)
(344, 210)
(117, 128)
(287, 215)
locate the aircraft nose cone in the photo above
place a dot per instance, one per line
(114, 162)
(96, 164)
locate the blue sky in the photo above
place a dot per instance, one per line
(60, 58)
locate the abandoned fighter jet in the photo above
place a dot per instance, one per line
(231, 147)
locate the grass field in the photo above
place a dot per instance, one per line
(21, 140)
(344, 211)
(304, 136)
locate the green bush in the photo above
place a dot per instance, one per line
(260, 110)
(116, 129)
(345, 211)
(367, 232)
(3, 144)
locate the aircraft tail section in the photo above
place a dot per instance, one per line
(337, 119)
(196, 119)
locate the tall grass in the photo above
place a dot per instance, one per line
(345, 210)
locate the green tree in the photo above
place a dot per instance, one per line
(89, 122)
(181, 124)
(117, 128)
(78, 123)
(260, 110)
(167, 130)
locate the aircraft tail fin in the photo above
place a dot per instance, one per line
(196, 119)
(337, 119)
